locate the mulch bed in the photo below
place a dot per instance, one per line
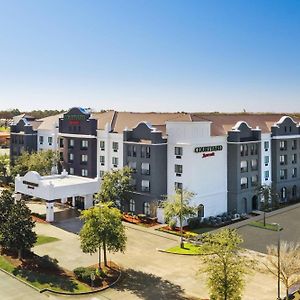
(137, 221)
(38, 220)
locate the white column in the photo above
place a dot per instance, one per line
(64, 200)
(73, 201)
(49, 211)
(88, 201)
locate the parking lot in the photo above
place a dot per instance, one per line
(258, 239)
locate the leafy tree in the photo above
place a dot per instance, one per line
(17, 229)
(102, 229)
(115, 186)
(41, 162)
(269, 198)
(289, 263)
(4, 167)
(224, 264)
(178, 207)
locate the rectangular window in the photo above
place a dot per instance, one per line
(178, 186)
(294, 172)
(244, 183)
(71, 157)
(145, 169)
(84, 172)
(267, 175)
(50, 140)
(145, 152)
(41, 140)
(253, 149)
(283, 174)
(84, 144)
(132, 165)
(294, 145)
(244, 166)
(283, 159)
(115, 146)
(71, 143)
(102, 145)
(71, 171)
(115, 161)
(283, 145)
(254, 164)
(129, 150)
(178, 170)
(294, 159)
(254, 180)
(84, 158)
(102, 160)
(145, 186)
(266, 145)
(101, 173)
(178, 151)
(61, 143)
(267, 160)
(134, 151)
(244, 150)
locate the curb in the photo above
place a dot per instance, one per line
(21, 280)
(83, 293)
(184, 254)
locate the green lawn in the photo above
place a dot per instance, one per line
(41, 281)
(260, 224)
(44, 239)
(188, 249)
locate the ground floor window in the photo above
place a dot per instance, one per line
(131, 205)
(147, 208)
(254, 203)
(283, 193)
(245, 208)
(200, 211)
(294, 191)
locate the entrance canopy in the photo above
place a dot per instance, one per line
(54, 187)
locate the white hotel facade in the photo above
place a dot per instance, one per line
(222, 158)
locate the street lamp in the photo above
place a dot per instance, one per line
(278, 260)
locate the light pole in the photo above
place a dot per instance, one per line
(278, 260)
(181, 227)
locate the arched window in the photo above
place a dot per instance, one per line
(294, 191)
(147, 211)
(283, 193)
(132, 205)
(201, 211)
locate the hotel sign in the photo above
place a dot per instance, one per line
(74, 117)
(208, 151)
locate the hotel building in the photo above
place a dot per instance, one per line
(222, 158)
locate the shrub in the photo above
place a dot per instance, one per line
(193, 223)
(142, 217)
(84, 274)
(172, 224)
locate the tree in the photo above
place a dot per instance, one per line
(17, 230)
(178, 207)
(269, 198)
(115, 186)
(41, 162)
(224, 264)
(289, 271)
(4, 167)
(102, 229)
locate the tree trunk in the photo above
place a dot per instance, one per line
(99, 258)
(104, 253)
(19, 253)
(264, 218)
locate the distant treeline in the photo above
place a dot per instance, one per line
(9, 114)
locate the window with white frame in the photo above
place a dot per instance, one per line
(294, 159)
(84, 144)
(294, 145)
(50, 140)
(253, 164)
(283, 159)
(147, 210)
(41, 140)
(131, 205)
(115, 161)
(101, 173)
(294, 172)
(102, 145)
(84, 172)
(178, 186)
(145, 186)
(244, 166)
(266, 160)
(283, 174)
(132, 166)
(266, 145)
(145, 169)
(244, 183)
(283, 145)
(71, 143)
(102, 160)
(84, 158)
(267, 175)
(71, 157)
(254, 180)
(178, 170)
(115, 146)
(178, 151)
(71, 171)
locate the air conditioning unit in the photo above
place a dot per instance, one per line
(102, 164)
(178, 174)
(178, 156)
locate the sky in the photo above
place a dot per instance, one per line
(154, 55)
